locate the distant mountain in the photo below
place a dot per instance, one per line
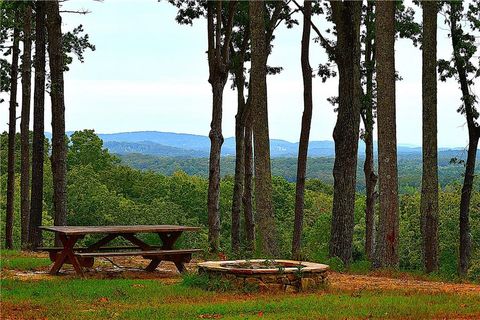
(169, 144)
(190, 142)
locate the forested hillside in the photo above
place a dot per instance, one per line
(409, 167)
(103, 191)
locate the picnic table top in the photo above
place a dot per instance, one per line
(80, 230)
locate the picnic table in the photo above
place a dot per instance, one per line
(81, 257)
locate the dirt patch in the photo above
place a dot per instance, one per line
(132, 268)
(117, 268)
(352, 282)
(20, 311)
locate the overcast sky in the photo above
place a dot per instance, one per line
(149, 73)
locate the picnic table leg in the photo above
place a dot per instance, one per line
(168, 240)
(134, 240)
(180, 266)
(67, 252)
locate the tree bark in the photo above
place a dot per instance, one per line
(239, 159)
(35, 238)
(305, 131)
(473, 137)
(59, 150)
(11, 139)
(247, 199)
(368, 166)
(261, 140)
(218, 61)
(346, 16)
(465, 239)
(216, 141)
(24, 125)
(387, 244)
(429, 196)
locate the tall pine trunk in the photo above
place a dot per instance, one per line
(59, 150)
(11, 138)
(219, 38)
(216, 141)
(239, 159)
(473, 137)
(247, 198)
(346, 16)
(429, 197)
(36, 207)
(261, 140)
(465, 238)
(387, 242)
(305, 131)
(24, 125)
(368, 166)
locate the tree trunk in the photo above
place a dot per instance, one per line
(11, 139)
(24, 125)
(217, 62)
(216, 141)
(473, 137)
(239, 159)
(305, 131)
(368, 166)
(35, 238)
(429, 197)
(248, 189)
(371, 195)
(261, 140)
(59, 150)
(346, 16)
(387, 244)
(465, 239)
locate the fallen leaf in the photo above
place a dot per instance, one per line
(103, 299)
(210, 316)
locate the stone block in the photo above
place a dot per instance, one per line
(307, 284)
(274, 287)
(269, 279)
(290, 289)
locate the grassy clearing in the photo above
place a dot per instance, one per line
(151, 299)
(15, 260)
(73, 298)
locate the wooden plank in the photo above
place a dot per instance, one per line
(138, 253)
(49, 249)
(82, 230)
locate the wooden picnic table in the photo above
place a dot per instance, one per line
(81, 257)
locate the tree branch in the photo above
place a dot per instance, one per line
(324, 42)
(228, 30)
(84, 11)
(273, 21)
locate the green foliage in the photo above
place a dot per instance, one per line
(75, 43)
(474, 272)
(86, 148)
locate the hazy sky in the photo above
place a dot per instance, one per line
(149, 73)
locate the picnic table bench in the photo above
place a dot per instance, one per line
(81, 257)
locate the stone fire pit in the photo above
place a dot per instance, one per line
(268, 275)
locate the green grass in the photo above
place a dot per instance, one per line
(150, 299)
(73, 298)
(13, 259)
